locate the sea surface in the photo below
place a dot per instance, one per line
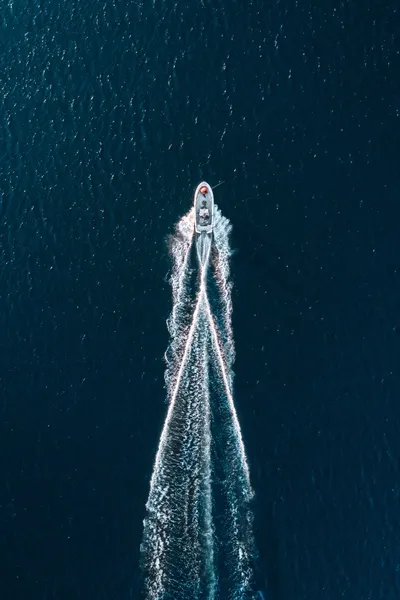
(110, 115)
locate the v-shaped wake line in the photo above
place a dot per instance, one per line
(228, 390)
(200, 467)
(177, 382)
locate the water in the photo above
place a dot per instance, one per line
(111, 114)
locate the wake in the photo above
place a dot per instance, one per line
(198, 541)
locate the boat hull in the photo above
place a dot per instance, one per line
(204, 208)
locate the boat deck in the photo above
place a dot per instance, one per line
(204, 208)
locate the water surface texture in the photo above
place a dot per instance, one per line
(111, 114)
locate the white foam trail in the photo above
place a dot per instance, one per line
(203, 247)
(177, 509)
(221, 265)
(180, 531)
(180, 253)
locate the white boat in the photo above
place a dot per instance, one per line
(204, 208)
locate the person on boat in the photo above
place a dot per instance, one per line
(203, 212)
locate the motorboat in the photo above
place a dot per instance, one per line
(204, 208)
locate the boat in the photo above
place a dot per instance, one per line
(204, 208)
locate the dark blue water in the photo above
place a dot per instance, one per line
(111, 113)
